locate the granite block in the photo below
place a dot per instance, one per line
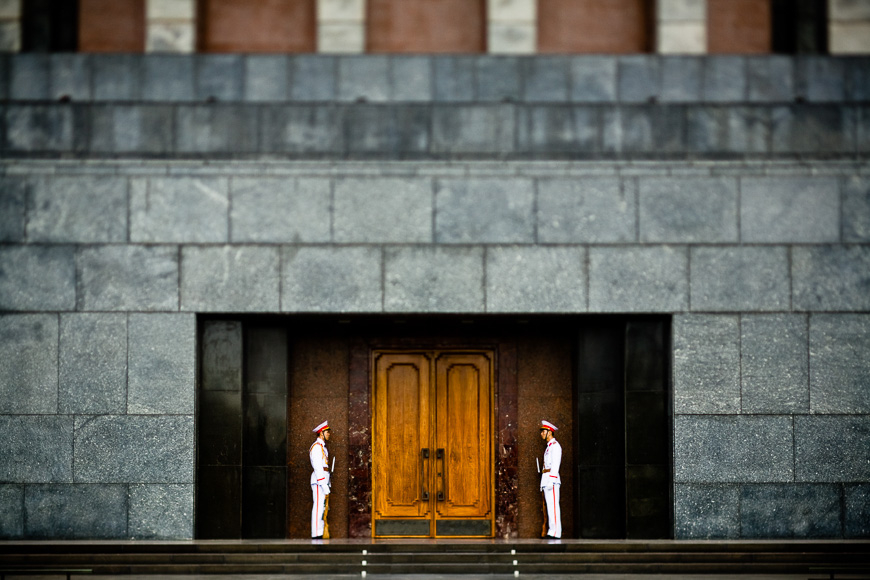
(706, 511)
(11, 512)
(770, 79)
(724, 79)
(535, 279)
(37, 278)
(593, 79)
(775, 210)
(4, 74)
(857, 520)
(681, 78)
(267, 77)
(35, 128)
(733, 449)
(545, 79)
(179, 210)
(816, 129)
(331, 279)
(216, 128)
(484, 211)
(363, 78)
(739, 278)
(561, 131)
(219, 77)
(29, 77)
(652, 130)
(688, 210)
(313, 77)
(161, 512)
(168, 78)
(638, 279)
(774, 364)
(820, 79)
(70, 77)
(131, 129)
(831, 278)
(832, 448)
(75, 512)
(230, 279)
(61, 210)
(117, 77)
(128, 277)
(706, 364)
(861, 117)
(280, 210)
(498, 79)
(134, 449)
(790, 511)
(839, 363)
(857, 79)
(410, 78)
(92, 364)
(161, 363)
(382, 211)
(378, 131)
(592, 210)
(453, 78)
(36, 448)
(638, 79)
(728, 130)
(308, 130)
(13, 198)
(856, 209)
(433, 279)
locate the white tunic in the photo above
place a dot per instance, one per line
(319, 457)
(552, 460)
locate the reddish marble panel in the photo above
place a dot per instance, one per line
(426, 26)
(111, 25)
(595, 26)
(261, 26)
(739, 26)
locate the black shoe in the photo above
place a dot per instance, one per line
(321, 537)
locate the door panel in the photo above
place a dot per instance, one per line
(463, 423)
(402, 395)
(432, 443)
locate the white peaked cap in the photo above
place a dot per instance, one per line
(321, 427)
(548, 425)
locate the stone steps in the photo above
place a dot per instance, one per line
(444, 558)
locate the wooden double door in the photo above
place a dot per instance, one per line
(432, 455)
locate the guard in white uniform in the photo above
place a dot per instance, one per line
(319, 457)
(551, 483)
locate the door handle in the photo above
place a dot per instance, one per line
(424, 473)
(441, 474)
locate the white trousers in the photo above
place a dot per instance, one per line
(554, 514)
(319, 499)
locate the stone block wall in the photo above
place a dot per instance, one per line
(104, 265)
(693, 187)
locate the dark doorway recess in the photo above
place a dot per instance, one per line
(266, 380)
(623, 409)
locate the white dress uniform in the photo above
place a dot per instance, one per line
(319, 456)
(551, 483)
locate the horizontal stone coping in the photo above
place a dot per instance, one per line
(433, 78)
(605, 168)
(435, 130)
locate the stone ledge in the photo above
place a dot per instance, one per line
(432, 78)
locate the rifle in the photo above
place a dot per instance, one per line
(543, 504)
(326, 506)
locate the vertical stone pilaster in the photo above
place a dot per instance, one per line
(681, 26)
(512, 26)
(341, 26)
(10, 25)
(849, 26)
(170, 26)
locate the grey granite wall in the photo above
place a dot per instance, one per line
(764, 265)
(730, 192)
(440, 106)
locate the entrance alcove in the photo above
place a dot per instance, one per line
(266, 380)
